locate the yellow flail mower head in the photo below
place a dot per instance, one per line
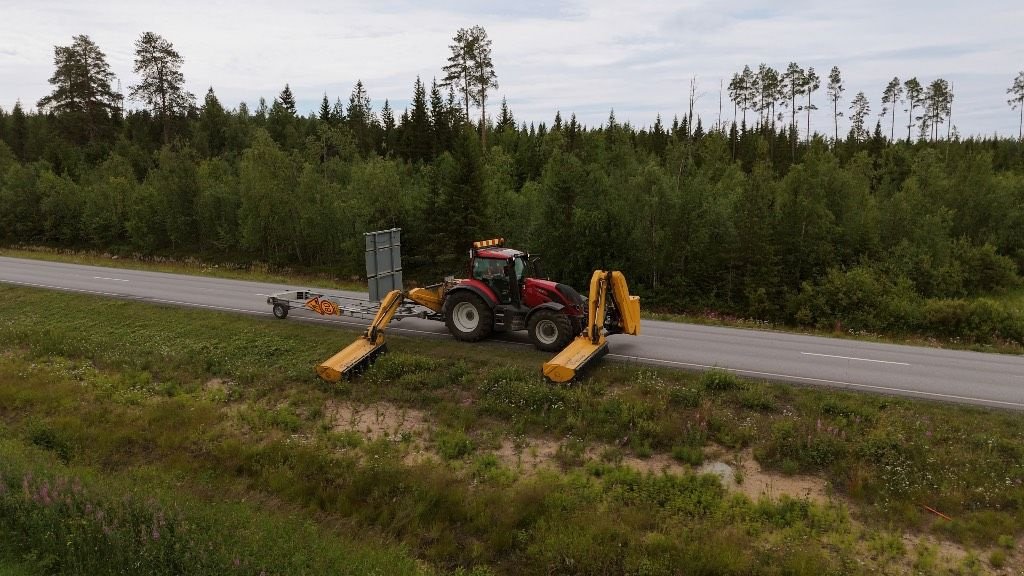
(358, 355)
(611, 310)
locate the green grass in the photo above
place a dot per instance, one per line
(221, 420)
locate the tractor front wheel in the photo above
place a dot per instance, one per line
(467, 317)
(550, 331)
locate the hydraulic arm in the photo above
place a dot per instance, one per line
(611, 310)
(362, 352)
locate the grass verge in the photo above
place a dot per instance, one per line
(216, 424)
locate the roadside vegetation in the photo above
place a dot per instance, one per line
(163, 440)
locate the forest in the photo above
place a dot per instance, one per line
(760, 217)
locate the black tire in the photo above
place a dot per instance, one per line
(280, 311)
(550, 331)
(467, 317)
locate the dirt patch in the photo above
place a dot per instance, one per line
(376, 421)
(757, 483)
(216, 385)
(655, 464)
(526, 456)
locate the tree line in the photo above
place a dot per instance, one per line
(866, 232)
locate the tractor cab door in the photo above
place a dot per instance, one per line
(494, 273)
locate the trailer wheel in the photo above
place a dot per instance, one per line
(467, 317)
(280, 311)
(550, 331)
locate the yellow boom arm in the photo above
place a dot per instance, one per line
(361, 352)
(611, 310)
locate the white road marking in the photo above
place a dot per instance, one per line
(852, 358)
(62, 288)
(906, 391)
(114, 279)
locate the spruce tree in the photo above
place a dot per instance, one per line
(418, 133)
(287, 100)
(325, 111)
(387, 121)
(338, 111)
(19, 131)
(213, 124)
(441, 118)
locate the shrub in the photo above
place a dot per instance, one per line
(718, 380)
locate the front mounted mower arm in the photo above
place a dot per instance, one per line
(611, 310)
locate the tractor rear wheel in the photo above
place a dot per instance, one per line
(467, 317)
(550, 331)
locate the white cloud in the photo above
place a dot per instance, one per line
(578, 56)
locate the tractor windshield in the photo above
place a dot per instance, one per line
(520, 269)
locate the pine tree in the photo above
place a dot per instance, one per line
(793, 83)
(1016, 92)
(938, 101)
(914, 93)
(470, 71)
(859, 110)
(287, 100)
(770, 86)
(484, 78)
(81, 81)
(162, 85)
(835, 92)
(892, 96)
(811, 85)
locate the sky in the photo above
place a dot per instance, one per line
(582, 57)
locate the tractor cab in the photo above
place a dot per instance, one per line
(502, 270)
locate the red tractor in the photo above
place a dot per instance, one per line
(499, 295)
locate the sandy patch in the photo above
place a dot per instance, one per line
(216, 385)
(376, 421)
(757, 483)
(528, 455)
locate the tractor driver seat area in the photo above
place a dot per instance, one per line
(492, 272)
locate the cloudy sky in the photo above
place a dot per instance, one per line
(586, 57)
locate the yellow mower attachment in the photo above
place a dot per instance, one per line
(622, 317)
(358, 355)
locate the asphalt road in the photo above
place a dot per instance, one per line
(993, 380)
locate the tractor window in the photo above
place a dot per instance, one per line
(520, 269)
(488, 268)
